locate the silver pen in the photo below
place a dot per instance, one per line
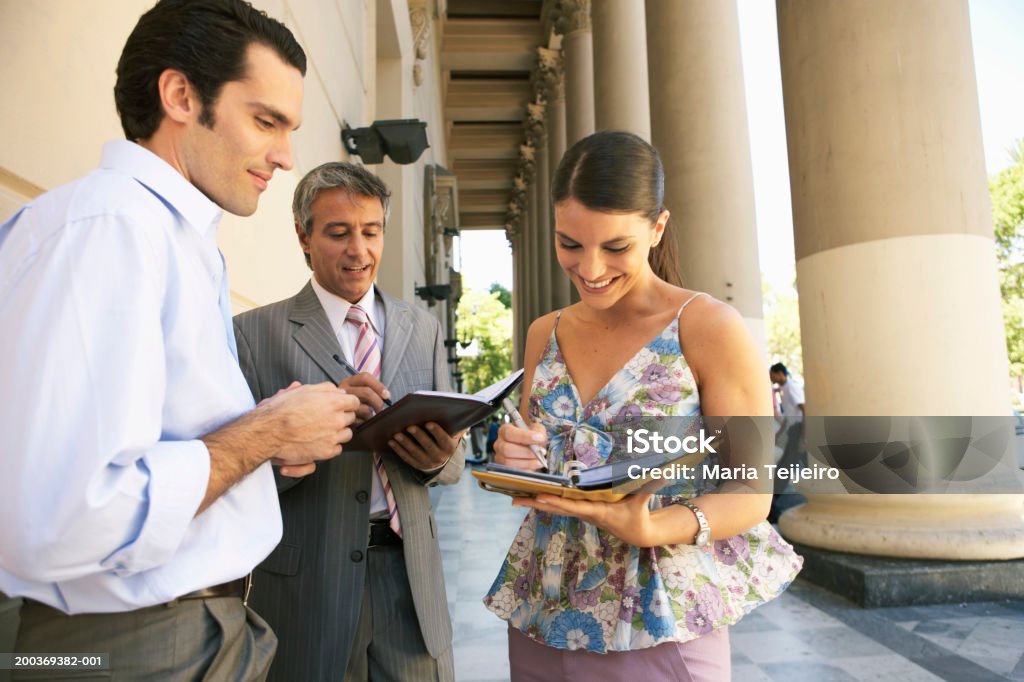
(517, 419)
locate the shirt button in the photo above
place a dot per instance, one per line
(356, 556)
(361, 496)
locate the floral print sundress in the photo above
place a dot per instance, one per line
(569, 585)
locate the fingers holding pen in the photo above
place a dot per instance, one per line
(373, 395)
(514, 446)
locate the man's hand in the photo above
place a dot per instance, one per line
(425, 448)
(369, 390)
(296, 427)
(309, 423)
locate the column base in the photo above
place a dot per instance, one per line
(979, 527)
(876, 581)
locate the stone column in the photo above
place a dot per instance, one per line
(621, 94)
(515, 241)
(699, 126)
(578, 52)
(533, 238)
(560, 284)
(545, 238)
(899, 303)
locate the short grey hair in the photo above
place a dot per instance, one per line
(354, 180)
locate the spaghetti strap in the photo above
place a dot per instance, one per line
(686, 303)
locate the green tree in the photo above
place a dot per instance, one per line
(504, 295)
(484, 324)
(782, 326)
(1006, 190)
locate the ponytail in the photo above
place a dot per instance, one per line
(664, 258)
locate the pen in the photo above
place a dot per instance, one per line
(517, 419)
(352, 370)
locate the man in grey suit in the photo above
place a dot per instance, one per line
(355, 588)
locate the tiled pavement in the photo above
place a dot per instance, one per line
(807, 634)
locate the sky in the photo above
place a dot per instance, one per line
(997, 27)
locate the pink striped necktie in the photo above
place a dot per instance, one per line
(366, 358)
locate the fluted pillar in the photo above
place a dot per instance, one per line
(699, 126)
(560, 284)
(578, 53)
(533, 247)
(899, 302)
(544, 234)
(515, 240)
(621, 94)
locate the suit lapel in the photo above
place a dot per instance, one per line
(314, 334)
(397, 333)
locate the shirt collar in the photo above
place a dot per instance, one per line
(164, 181)
(337, 308)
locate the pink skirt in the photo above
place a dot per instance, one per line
(705, 659)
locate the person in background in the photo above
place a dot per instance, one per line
(137, 488)
(645, 588)
(478, 440)
(790, 390)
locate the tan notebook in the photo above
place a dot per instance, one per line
(605, 483)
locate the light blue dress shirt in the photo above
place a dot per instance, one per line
(116, 355)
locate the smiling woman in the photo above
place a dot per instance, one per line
(651, 583)
(580, 193)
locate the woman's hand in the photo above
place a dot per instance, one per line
(512, 447)
(629, 519)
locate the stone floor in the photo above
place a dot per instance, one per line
(807, 634)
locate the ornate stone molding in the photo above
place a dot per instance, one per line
(534, 124)
(419, 17)
(544, 78)
(548, 75)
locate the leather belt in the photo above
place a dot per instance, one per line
(381, 535)
(236, 588)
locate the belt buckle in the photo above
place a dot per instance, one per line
(248, 589)
(369, 537)
(382, 527)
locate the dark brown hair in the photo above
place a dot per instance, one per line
(617, 172)
(204, 39)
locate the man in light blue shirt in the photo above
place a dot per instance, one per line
(137, 489)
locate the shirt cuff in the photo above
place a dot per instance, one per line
(436, 470)
(179, 474)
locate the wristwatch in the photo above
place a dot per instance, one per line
(703, 536)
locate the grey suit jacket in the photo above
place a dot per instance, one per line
(310, 588)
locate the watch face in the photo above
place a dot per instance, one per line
(703, 537)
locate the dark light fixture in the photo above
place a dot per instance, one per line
(434, 292)
(402, 140)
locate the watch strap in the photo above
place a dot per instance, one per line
(702, 521)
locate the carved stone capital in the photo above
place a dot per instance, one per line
(571, 15)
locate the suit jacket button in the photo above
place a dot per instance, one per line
(356, 555)
(361, 496)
